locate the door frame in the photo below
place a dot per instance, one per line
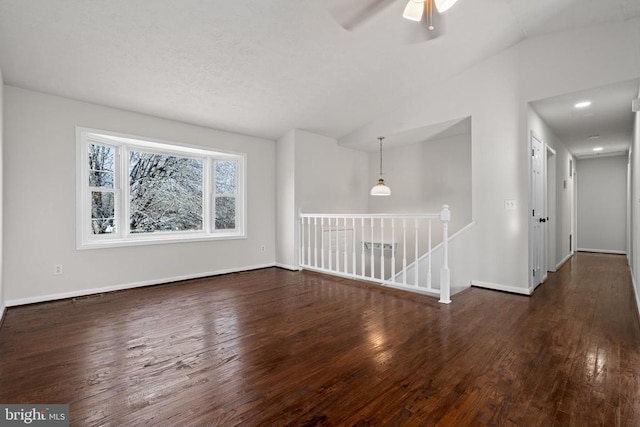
(550, 210)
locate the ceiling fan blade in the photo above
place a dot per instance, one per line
(351, 14)
(444, 5)
(431, 26)
(414, 10)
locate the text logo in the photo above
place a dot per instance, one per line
(34, 415)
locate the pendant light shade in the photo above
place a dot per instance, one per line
(413, 10)
(380, 189)
(444, 5)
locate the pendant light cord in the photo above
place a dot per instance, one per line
(381, 138)
(431, 15)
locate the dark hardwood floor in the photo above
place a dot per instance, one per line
(274, 347)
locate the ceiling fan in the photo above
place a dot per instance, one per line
(353, 14)
(415, 9)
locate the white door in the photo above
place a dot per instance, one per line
(538, 216)
(551, 210)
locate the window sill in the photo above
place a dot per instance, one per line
(108, 242)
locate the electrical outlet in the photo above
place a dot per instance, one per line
(57, 269)
(263, 248)
(510, 205)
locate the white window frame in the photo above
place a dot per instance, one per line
(123, 144)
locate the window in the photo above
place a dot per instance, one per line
(226, 190)
(165, 193)
(135, 191)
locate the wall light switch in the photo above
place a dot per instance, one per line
(510, 205)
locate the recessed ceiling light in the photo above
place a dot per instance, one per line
(582, 104)
(598, 149)
(593, 137)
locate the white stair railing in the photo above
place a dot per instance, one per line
(377, 248)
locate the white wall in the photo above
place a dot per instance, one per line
(286, 254)
(424, 176)
(496, 253)
(329, 178)
(324, 178)
(585, 58)
(602, 204)
(560, 217)
(634, 233)
(496, 94)
(39, 203)
(2, 297)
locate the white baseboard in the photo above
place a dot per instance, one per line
(287, 267)
(563, 261)
(504, 288)
(3, 310)
(85, 292)
(602, 251)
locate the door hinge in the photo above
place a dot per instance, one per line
(534, 273)
(533, 153)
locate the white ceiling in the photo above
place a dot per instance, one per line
(606, 123)
(260, 67)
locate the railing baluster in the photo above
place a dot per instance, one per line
(322, 242)
(315, 241)
(346, 270)
(382, 249)
(404, 251)
(309, 242)
(330, 245)
(338, 248)
(362, 251)
(417, 254)
(393, 250)
(371, 249)
(353, 244)
(429, 259)
(337, 244)
(301, 255)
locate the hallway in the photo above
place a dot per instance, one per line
(580, 338)
(275, 347)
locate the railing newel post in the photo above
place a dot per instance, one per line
(445, 279)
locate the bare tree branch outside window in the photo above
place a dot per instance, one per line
(102, 181)
(165, 193)
(225, 188)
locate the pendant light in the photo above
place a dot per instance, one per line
(380, 189)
